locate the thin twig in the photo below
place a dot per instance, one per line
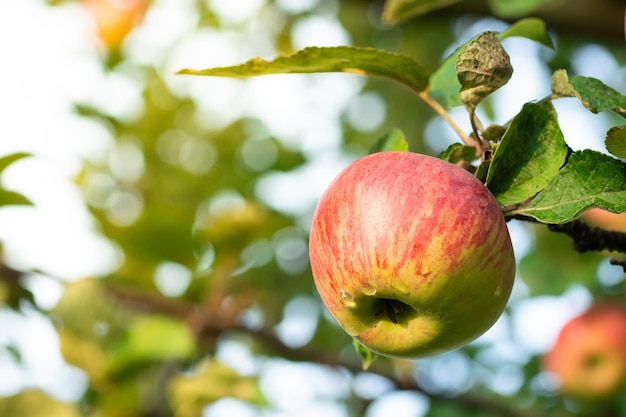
(476, 125)
(438, 108)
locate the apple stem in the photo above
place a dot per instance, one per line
(438, 108)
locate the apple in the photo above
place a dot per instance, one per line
(605, 219)
(589, 355)
(411, 254)
(114, 19)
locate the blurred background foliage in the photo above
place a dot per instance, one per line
(211, 309)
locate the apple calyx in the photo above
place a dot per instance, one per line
(393, 308)
(379, 308)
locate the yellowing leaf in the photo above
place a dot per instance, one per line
(444, 84)
(84, 308)
(560, 84)
(153, 338)
(85, 354)
(211, 382)
(34, 403)
(399, 10)
(350, 59)
(593, 94)
(233, 222)
(482, 68)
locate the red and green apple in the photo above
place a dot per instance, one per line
(411, 254)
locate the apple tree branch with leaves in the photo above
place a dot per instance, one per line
(411, 254)
(525, 162)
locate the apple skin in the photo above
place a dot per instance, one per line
(411, 254)
(589, 355)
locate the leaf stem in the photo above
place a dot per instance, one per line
(477, 128)
(438, 108)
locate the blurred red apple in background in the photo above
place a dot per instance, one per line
(605, 219)
(589, 356)
(114, 19)
(410, 254)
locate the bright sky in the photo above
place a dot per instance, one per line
(49, 63)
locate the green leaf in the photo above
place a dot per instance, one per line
(530, 28)
(531, 153)
(493, 133)
(482, 68)
(482, 170)
(616, 141)
(367, 356)
(89, 296)
(400, 10)
(444, 85)
(592, 93)
(5, 161)
(458, 152)
(392, 141)
(552, 264)
(597, 96)
(589, 179)
(355, 60)
(153, 338)
(621, 402)
(517, 8)
(11, 198)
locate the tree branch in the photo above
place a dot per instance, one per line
(619, 262)
(589, 238)
(210, 325)
(306, 354)
(600, 19)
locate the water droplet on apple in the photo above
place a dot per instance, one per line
(369, 290)
(402, 288)
(346, 299)
(498, 291)
(352, 331)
